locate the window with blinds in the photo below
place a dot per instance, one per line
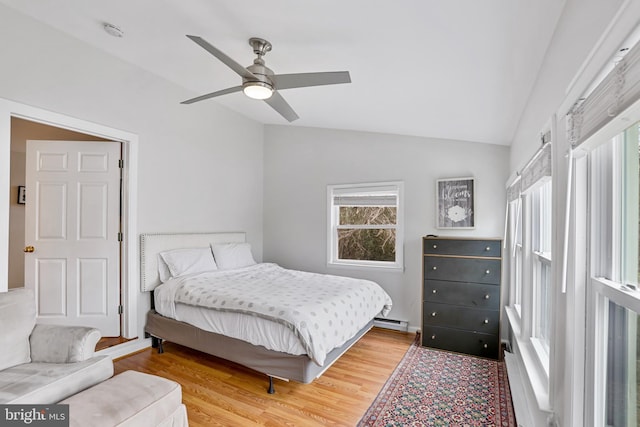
(365, 225)
(603, 127)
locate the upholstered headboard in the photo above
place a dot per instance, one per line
(152, 244)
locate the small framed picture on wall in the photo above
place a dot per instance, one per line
(21, 195)
(455, 203)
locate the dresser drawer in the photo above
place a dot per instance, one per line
(462, 269)
(484, 248)
(470, 319)
(474, 343)
(462, 293)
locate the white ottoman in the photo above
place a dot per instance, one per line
(129, 399)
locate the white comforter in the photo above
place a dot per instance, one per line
(323, 311)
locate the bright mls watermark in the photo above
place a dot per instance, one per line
(34, 415)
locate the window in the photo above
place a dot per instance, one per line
(365, 225)
(514, 238)
(515, 230)
(541, 258)
(531, 280)
(613, 285)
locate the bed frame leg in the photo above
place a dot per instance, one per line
(157, 343)
(271, 390)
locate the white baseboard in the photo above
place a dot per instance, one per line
(518, 393)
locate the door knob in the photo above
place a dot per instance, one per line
(29, 249)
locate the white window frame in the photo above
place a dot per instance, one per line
(535, 355)
(605, 283)
(395, 187)
(515, 254)
(541, 259)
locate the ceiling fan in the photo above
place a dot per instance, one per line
(259, 81)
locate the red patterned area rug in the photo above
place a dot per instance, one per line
(437, 388)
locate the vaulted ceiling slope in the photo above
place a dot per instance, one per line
(460, 69)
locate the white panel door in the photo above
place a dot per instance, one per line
(72, 220)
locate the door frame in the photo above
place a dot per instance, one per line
(129, 265)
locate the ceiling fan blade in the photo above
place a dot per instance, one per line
(289, 81)
(277, 102)
(242, 71)
(213, 94)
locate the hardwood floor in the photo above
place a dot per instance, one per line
(106, 342)
(219, 393)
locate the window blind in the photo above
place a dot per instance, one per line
(513, 191)
(619, 90)
(365, 200)
(537, 168)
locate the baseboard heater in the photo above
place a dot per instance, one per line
(396, 325)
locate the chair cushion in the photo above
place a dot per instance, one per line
(46, 383)
(128, 399)
(17, 317)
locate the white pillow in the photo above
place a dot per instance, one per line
(232, 255)
(189, 261)
(163, 270)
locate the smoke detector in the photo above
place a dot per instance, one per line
(113, 30)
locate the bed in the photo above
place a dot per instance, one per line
(283, 323)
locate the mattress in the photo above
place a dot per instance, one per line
(283, 310)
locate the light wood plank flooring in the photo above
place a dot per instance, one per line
(106, 342)
(219, 393)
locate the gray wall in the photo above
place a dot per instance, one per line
(299, 163)
(200, 166)
(580, 27)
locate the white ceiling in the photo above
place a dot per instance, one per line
(457, 69)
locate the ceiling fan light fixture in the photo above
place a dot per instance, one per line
(257, 90)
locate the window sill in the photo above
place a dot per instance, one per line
(365, 267)
(535, 372)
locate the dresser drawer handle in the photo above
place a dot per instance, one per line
(434, 314)
(485, 346)
(487, 272)
(487, 296)
(435, 246)
(488, 248)
(486, 321)
(435, 291)
(435, 268)
(433, 337)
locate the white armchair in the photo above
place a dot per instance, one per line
(43, 364)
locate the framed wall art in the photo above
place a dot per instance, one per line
(455, 203)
